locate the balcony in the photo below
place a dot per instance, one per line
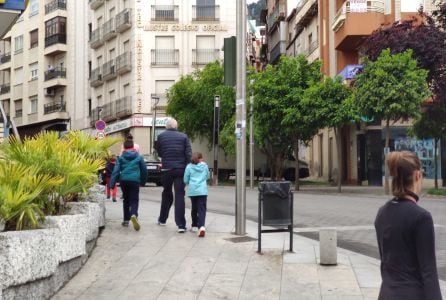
(55, 78)
(108, 70)
(5, 88)
(123, 63)
(205, 13)
(306, 11)
(56, 106)
(165, 57)
(96, 77)
(352, 25)
(95, 3)
(275, 17)
(55, 44)
(204, 56)
(165, 13)
(96, 39)
(123, 107)
(55, 5)
(276, 51)
(123, 21)
(5, 58)
(108, 30)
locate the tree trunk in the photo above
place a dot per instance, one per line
(339, 156)
(435, 163)
(296, 156)
(386, 169)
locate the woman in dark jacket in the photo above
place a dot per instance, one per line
(131, 171)
(406, 238)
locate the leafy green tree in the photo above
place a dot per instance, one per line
(335, 108)
(431, 124)
(191, 102)
(281, 117)
(391, 88)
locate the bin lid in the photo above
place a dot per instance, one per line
(278, 188)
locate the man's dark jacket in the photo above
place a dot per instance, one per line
(174, 149)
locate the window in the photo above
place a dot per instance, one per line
(161, 86)
(206, 9)
(33, 7)
(34, 69)
(33, 104)
(55, 26)
(89, 107)
(205, 52)
(18, 44)
(99, 100)
(34, 38)
(126, 88)
(18, 75)
(126, 46)
(18, 108)
(165, 52)
(89, 69)
(112, 12)
(111, 54)
(112, 96)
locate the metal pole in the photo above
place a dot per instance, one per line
(251, 140)
(215, 137)
(240, 130)
(155, 103)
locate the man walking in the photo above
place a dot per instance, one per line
(175, 150)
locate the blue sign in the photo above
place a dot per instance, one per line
(14, 4)
(350, 71)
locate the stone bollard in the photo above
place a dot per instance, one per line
(328, 247)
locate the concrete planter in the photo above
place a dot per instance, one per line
(35, 264)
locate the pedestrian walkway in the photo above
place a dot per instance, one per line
(159, 263)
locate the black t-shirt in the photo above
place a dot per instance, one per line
(406, 241)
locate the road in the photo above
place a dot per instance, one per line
(352, 213)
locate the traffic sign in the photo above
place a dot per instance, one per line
(100, 125)
(100, 135)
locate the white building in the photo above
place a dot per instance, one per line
(140, 48)
(43, 67)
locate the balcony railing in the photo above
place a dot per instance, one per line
(275, 16)
(313, 46)
(58, 38)
(123, 63)
(165, 57)
(95, 3)
(55, 106)
(108, 70)
(95, 38)
(205, 13)
(5, 88)
(204, 56)
(108, 30)
(108, 111)
(5, 58)
(123, 21)
(165, 13)
(123, 106)
(55, 5)
(275, 53)
(96, 77)
(376, 6)
(18, 113)
(56, 73)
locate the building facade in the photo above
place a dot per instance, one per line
(43, 67)
(141, 48)
(333, 31)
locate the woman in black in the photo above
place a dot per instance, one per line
(406, 238)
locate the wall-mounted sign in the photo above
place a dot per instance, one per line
(185, 27)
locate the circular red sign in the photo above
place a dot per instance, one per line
(100, 125)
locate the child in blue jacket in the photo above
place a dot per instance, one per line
(196, 176)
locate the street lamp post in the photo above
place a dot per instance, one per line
(251, 138)
(155, 101)
(215, 137)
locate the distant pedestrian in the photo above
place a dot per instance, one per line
(131, 171)
(108, 171)
(196, 176)
(406, 238)
(175, 150)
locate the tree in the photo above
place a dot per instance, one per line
(391, 88)
(191, 102)
(281, 117)
(335, 106)
(431, 124)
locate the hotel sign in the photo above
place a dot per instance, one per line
(184, 27)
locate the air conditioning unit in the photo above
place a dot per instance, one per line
(50, 92)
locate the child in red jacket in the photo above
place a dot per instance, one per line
(108, 172)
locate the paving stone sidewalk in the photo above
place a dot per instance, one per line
(159, 263)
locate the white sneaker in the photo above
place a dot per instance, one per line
(181, 230)
(202, 232)
(194, 229)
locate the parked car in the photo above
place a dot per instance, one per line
(154, 166)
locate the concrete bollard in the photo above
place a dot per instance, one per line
(328, 247)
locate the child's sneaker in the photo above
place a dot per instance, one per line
(194, 229)
(114, 199)
(202, 232)
(135, 222)
(125, 223)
